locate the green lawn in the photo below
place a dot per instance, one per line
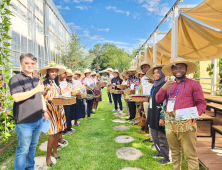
(93, 146)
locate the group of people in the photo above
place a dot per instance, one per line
(33, 103)
(170, 95)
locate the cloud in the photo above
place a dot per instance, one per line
(73, 26)
(135, 15)
(67, 1)
(117, 10)
(94, 37)
(78, 1)
(59, 7)
(117, 42)
(106, 29)
(82, 7)
(155, 7)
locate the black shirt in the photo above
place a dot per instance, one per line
(29, 110)
(115, 80)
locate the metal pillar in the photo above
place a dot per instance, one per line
(154, 46)
(174, 38)
(214, 77)
(146, 46)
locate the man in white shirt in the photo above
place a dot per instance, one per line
(147, 84)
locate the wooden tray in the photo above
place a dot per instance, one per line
(64, 101)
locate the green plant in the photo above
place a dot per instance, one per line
(210, 69)
(6, 116)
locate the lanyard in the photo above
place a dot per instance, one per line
(177, 90)
(152, 90)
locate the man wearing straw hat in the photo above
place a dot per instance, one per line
(182, 93)
(132, 83)
(28, 109)
(109, 77)
(147, 84)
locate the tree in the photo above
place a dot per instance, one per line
(75, 56)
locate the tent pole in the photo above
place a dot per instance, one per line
(154, 46)
(214, 78)
(174, 42)
(146, 52)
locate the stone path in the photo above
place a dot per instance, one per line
(119, 120)
(128, 153)
(124, 139)
(131, 168)
(119, 115)
(40, 162)
(121, 127)
(43, 146)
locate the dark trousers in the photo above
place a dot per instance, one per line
(110, 98)
(132, 109)
(117, 99)
(89, 107)
(68, 118)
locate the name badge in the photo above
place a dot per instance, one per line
(170, 104)
(132, 86)
(150, 103)
(114, 83)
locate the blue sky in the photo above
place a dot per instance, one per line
(122, 22)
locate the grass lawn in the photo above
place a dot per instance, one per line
(93, 146)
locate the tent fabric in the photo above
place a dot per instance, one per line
(208, 12)
(195, 41)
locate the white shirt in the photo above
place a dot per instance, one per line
(146, 85)
(63, 85)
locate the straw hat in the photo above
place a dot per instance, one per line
(79, 73)
(138, 74)
(149, 73)
(109, 69)
(93, 73)
(150, 63)
(125, 74)
(191, 67)
(52, 65)
(69, 72)
(98, 75)
(132, 68)
(115, 71)
(87, 71)
(64, 67)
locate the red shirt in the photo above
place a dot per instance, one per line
(190, 94)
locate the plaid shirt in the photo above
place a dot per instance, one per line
(133, 80)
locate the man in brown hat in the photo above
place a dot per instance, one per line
(182, 93)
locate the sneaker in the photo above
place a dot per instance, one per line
(67, 133)
(156, 155)
(121, 112)
(110, 103)
(114, 110)
(97, 109)
(94, 109)
(153, 147)
(164, 161)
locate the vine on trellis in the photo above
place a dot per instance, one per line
(6, 122)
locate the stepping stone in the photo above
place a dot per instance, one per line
(121, 127)
(128, 153)
(124, 139)
(40, 162)
(119, 115)
(119, 120)
(43, 146)
(131, 168)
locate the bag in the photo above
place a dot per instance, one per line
(139, 120)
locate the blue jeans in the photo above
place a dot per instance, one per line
(28, 137)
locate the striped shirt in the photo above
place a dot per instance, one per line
(190, 94)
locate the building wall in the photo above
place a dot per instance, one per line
(37, 28)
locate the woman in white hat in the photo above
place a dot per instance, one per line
(88, 81)
(109, 77)
(125, 78)
(117, 97)
(55, 112)
(80, 106)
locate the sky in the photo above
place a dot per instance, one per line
(126, 23)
